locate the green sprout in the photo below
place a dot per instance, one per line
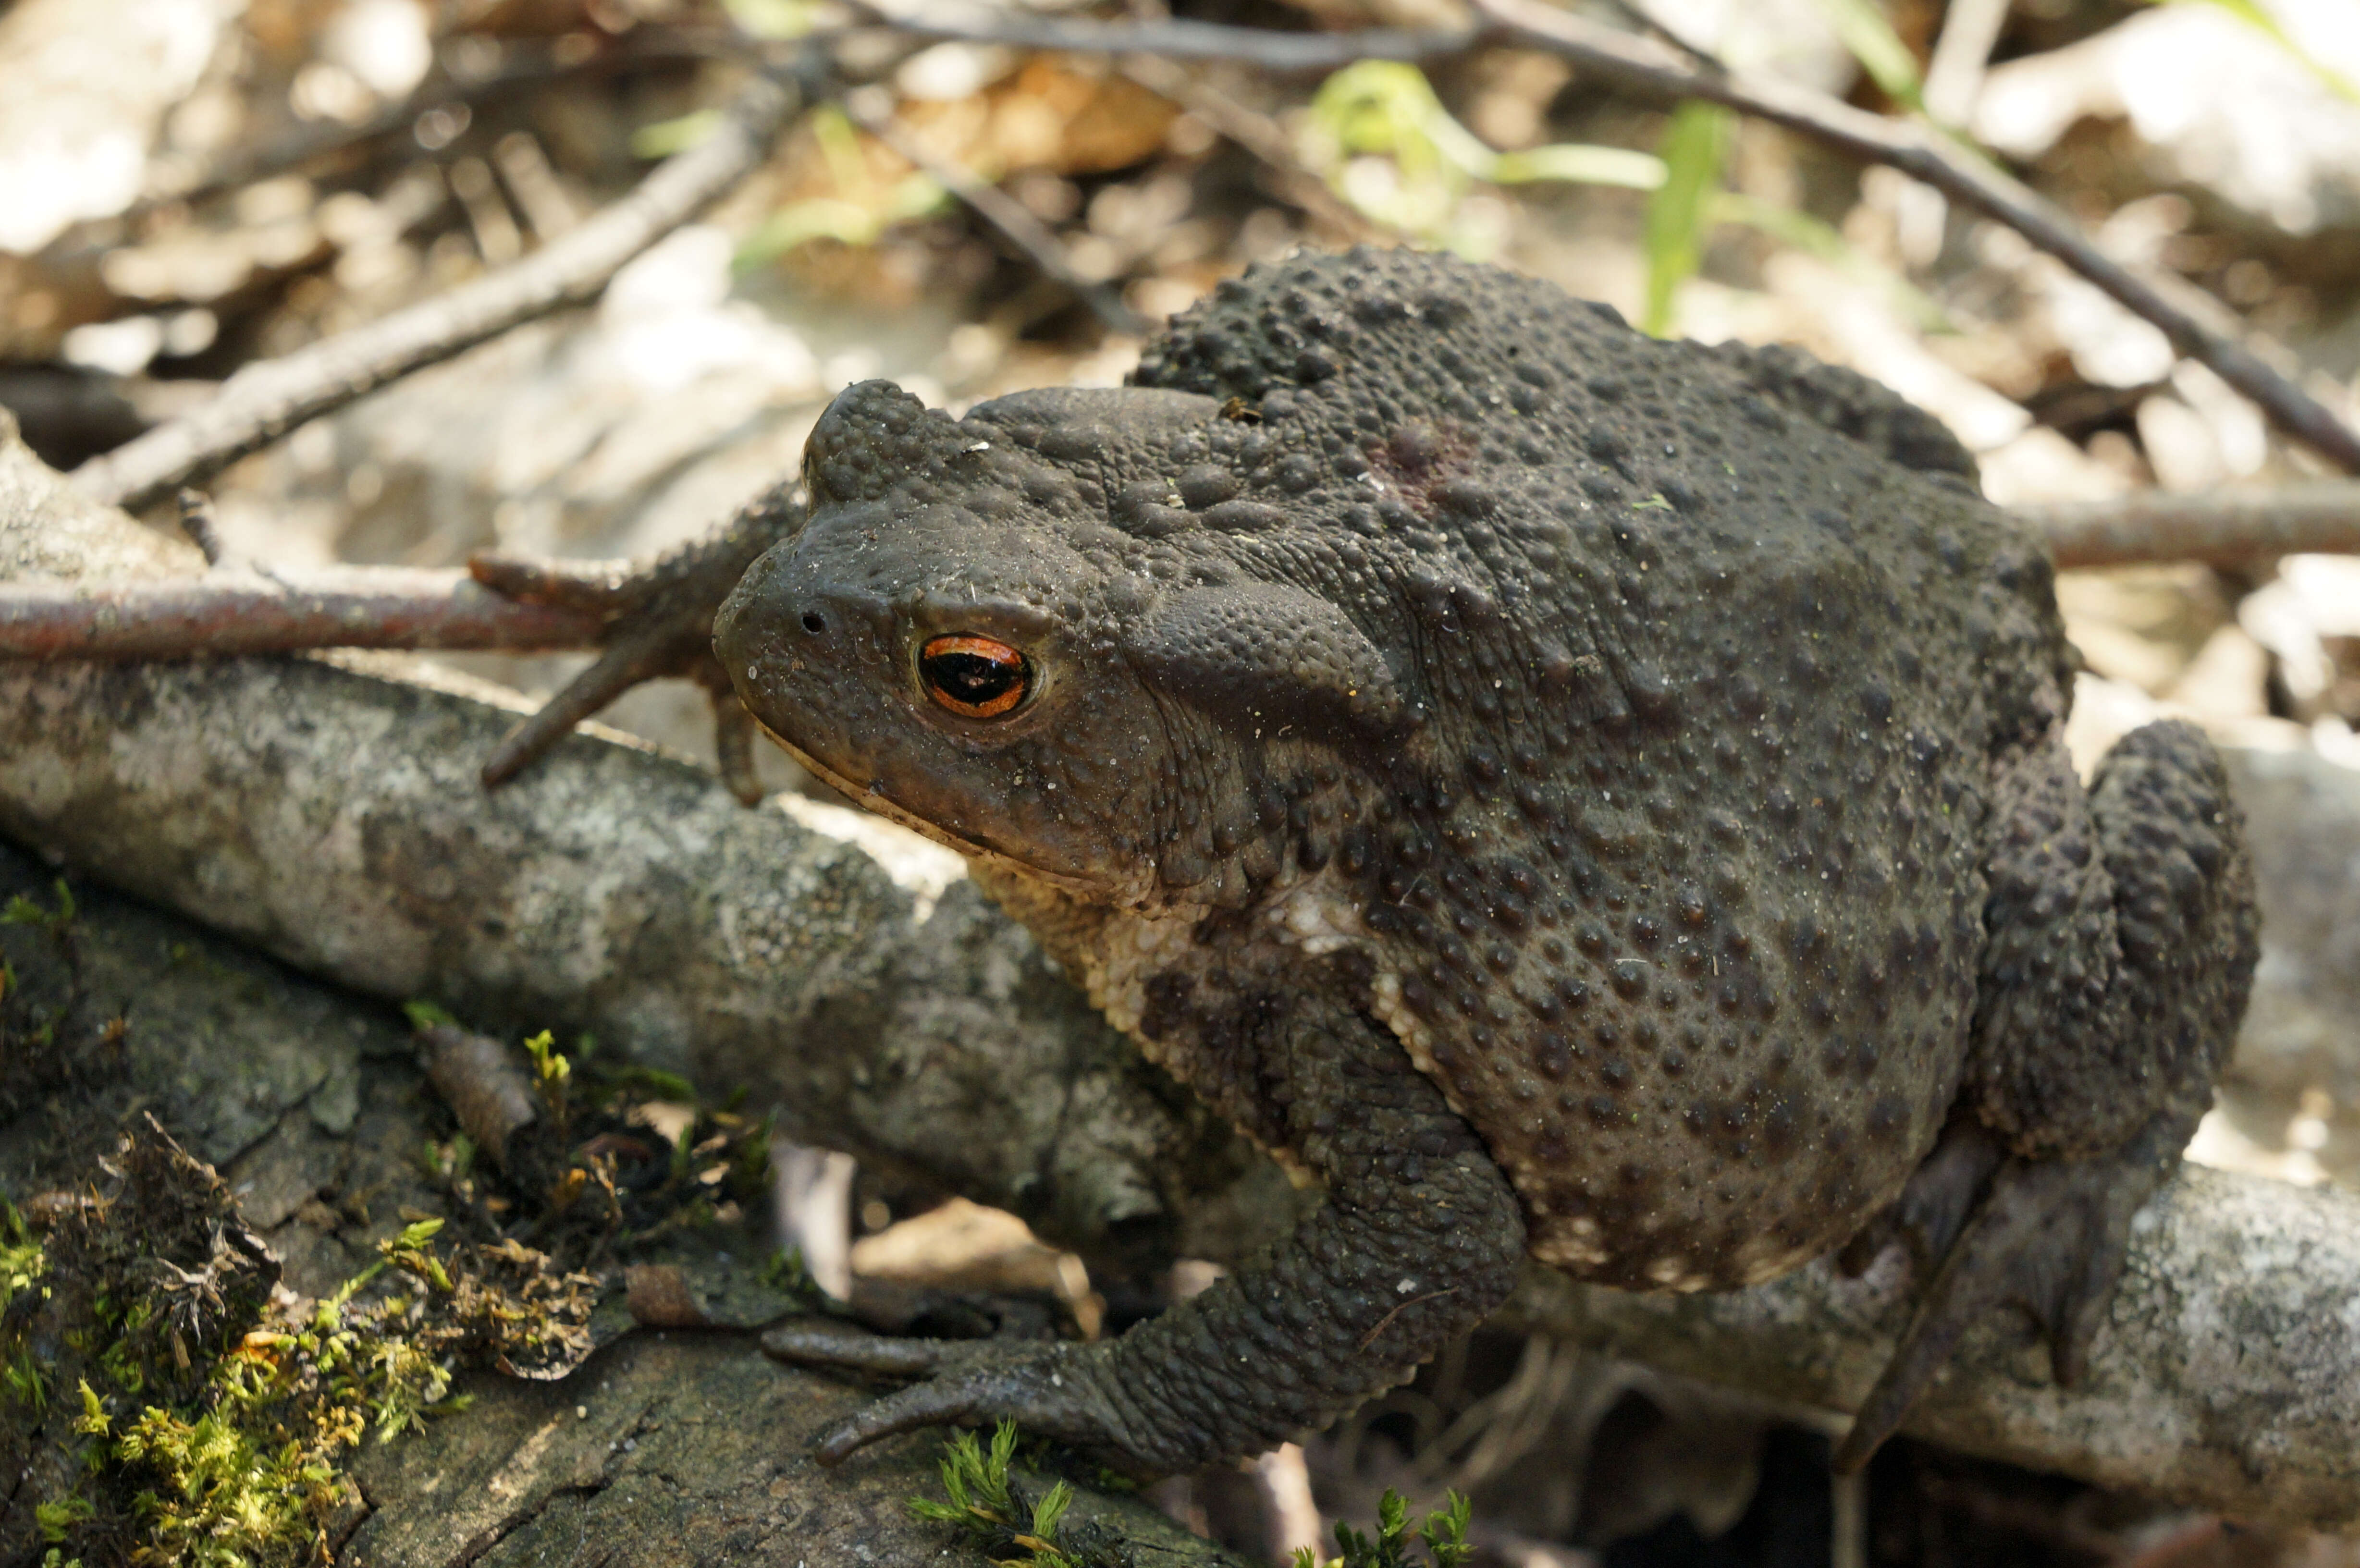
(1696, 146)
(991, 1508)
(1444, 1535)
(427, 1016)
(22, 911)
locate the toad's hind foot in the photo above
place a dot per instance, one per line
(2049, 1237)
(1052, 1391)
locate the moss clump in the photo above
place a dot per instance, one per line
(993, 1509)
(165, 1399)
(210, 1408)
(1444, 1536)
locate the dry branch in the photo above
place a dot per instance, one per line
(229, 612)
(1006, 214)
(2228, 1375)
(2227, 528)
(238, 611)
(263, 401)
(1170, 38)
(331, 818)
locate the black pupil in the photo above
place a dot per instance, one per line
(972, 679)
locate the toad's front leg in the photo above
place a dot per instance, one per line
(1420, 1238)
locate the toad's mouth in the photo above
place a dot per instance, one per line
(869, 797)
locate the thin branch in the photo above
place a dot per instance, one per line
(522, 65)
(237, 611)
(2227, 528)
(519, 607)
(948, 21)
(1008, 215)
(1924, 154)
(263, 401)
(1257, 134)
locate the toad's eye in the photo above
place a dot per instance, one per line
(977, 676)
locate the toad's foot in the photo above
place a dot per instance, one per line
(1050, 1390)
(2048, 1236)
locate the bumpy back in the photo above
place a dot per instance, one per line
(1430, 327)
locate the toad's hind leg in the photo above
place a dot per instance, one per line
(2119, 950)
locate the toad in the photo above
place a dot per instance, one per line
(1567, 793)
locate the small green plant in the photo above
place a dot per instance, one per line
(216, 1437)
(1388, 147)
(551, 1074)
(1444, 1535)
(427, 1016)
(1385, 144)
(786, 1272)
(22, 1261)
(219, 1494)
(1695, 147)
(53, 1519)
(23, 912)
(991, 1508)
(860, 211)
(21, 1381)
(1865, 31)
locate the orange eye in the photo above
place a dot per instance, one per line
(977, 676)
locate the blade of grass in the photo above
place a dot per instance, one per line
(1863, 29)
(1694, 146)
(1580, 164)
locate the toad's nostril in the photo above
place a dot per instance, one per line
(815, 623)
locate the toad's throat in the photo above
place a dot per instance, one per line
(870, 798)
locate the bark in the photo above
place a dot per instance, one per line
(2227, 528)
(329, 816)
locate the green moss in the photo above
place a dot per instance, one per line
(23, 912)
(22, 1260)
(1444, 1535)
(213, 1415)
(993, 1509)
(206, 1416)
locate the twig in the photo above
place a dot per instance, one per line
(263, 401)
(241, 611)
(2227, 528)
(237, 611)
(1256, 133)
(948, 21)
(522, 66)
(656, 620)
(1008, 215)
(1924, 154)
